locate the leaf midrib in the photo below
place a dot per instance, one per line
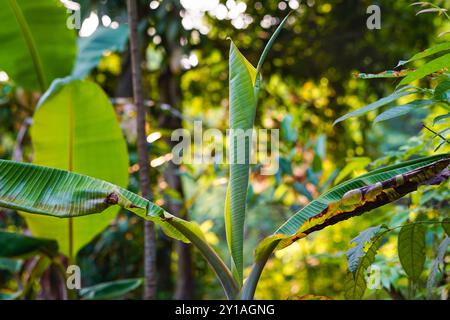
(23, 25)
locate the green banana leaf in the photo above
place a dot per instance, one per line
(242, 114)
(75, 129)
(63, 194)
(36, 46)
(355, 197)
(244, 85)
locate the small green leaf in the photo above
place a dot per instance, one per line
(355, 253)
(110, 290)
(289, 132)
(427, 69)
(426, 53)
(355, 284)
(301, 189)
(411, 249)
(402, 110)
(440, 118)
(375, 105)
(442, 91)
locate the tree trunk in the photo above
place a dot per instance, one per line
(170, 92)
(149, 229)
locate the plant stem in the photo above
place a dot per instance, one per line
(149, 231)
(248, 291)
(223, 273)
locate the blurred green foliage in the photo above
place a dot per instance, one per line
(308, 83)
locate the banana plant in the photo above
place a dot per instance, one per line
(63, 194)
(44, 47)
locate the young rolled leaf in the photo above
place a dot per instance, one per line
(242, 114)
(14, 245)
(63, 194)
(36, 33)
(357, 196)
(411, 249)
(244, 88)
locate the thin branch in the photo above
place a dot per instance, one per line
(437, 134)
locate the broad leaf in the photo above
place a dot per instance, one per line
(355, 197)
(75, 129)
(355, 253)
(36, 46)
(14, 245)
(91, 49)
(411, 249)
(428, 68)
(375, 105)
(110, 290)
(63, 194)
